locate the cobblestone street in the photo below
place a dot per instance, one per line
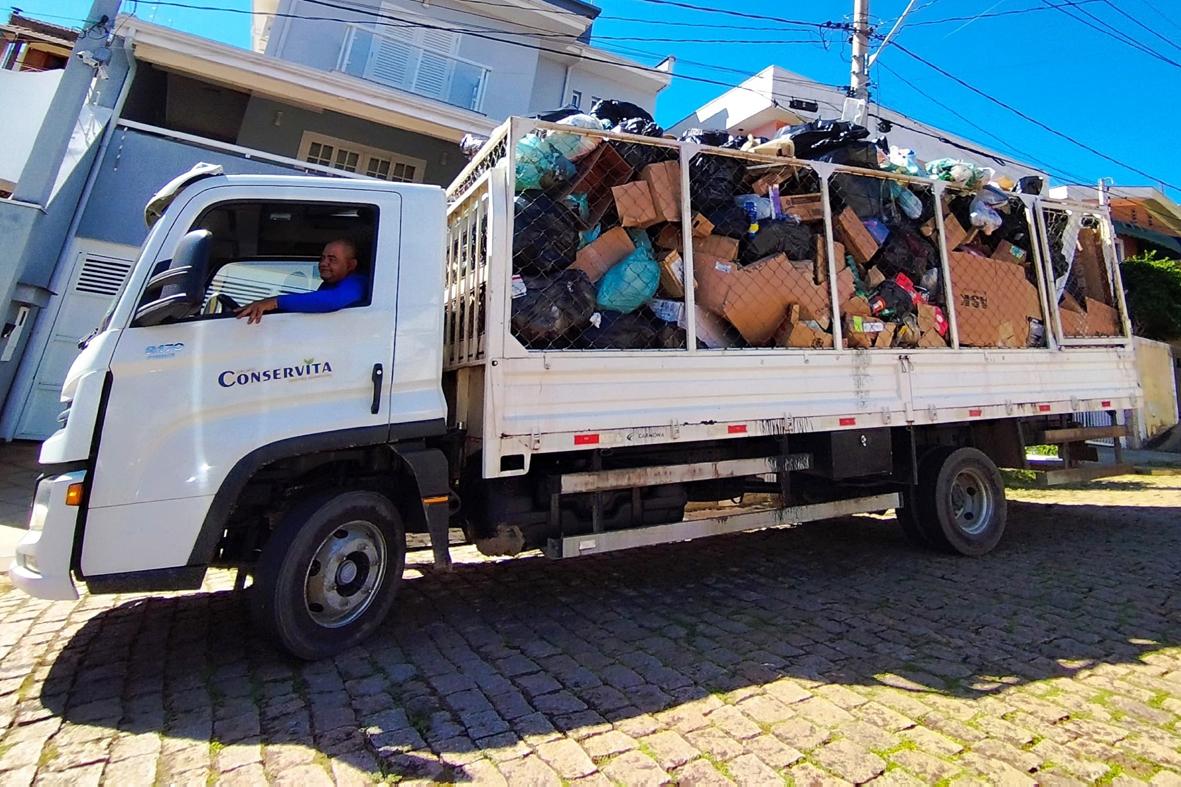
(818, 654)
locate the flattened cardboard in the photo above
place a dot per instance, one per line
(932, 339)
(597, 257)
(664, 182)
(858, 306)
(1090, 266)
(760, 295)
(795, 334)
(854, 234)
(994, 301)
(820, 273)
(885, 339)
(713, 277)
(633, 203)
(1102, 320)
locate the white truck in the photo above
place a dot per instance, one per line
(303, 449)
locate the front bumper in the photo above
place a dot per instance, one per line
(41, 567)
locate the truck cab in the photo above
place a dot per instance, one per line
(188, 435)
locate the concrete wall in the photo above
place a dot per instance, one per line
(1157, 372)
(595, 84)
(547, 86)
(443, 159)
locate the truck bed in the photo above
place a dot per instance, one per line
(518, 399)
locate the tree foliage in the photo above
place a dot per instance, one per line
(1153, 288)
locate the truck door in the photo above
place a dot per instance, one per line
(189, 398)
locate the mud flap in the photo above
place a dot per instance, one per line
(431, 473)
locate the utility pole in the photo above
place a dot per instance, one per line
(855, 105)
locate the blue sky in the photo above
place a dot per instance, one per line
(1057, 69)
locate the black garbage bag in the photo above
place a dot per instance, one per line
(554, 115)
(671, 337)
(645, 128)
(616, 331)
(852, 154)
(1030, 184)
(905, 251)
(615, 112)
(864, 195)
(820, 136)
(728, 219)
(553, 307)
(638, 155)
(713, 137)
(545, 235)
(714, 180)
(778, 237)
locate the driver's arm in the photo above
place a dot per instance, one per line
(254, 311)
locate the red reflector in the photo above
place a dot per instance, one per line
(848, 422)
(736, 428)
(586, 439)
(1043, 408)
(975, 413)
(1105, 404)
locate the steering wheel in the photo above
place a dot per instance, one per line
(220, 303)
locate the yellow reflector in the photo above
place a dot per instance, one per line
(74, 494)
(428, 501)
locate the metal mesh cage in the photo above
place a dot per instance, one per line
(1082, 267)
(587, 269)
(887, 229)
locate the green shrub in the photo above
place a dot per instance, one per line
(1153, 287)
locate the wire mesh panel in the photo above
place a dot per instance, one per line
(993, 264)
(1082, 263)
(466, 280)
(759, 252)
(887, 230)
(587, 272)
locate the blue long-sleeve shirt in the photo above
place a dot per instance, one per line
(329, 298)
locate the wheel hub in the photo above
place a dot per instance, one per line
(972, 502)
(345, 573)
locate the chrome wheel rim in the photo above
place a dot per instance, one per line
(344, 574)
(972, 501)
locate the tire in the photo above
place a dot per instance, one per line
(916, 511)
(328, 576)
(961, 501)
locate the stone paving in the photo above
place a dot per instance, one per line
(824, 654)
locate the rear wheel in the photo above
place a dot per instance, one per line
(961, 501)
(329, 573)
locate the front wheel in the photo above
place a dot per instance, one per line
(961, 501)
(328, 575)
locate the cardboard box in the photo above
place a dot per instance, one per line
(932, 339)
(713, 279)
(597, 172)
(634, 204)
(994, 301)
(719, 246)
(1007, 252)
(805, 207)
(928, 319)
(857, 305)
(701, 226)
(1090, 266)
(821, 256)
(669, 237)
(861, 333)
(672, 275)
(955, 232)
(597, 257)
(885, 339)
(854, 234)
(759, 296)
(874, 277)
(664, 182)
(796, 334)
(1102, 320)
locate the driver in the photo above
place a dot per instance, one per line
(341, 286)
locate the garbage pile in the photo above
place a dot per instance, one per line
(599, 236)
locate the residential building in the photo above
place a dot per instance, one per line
(385, 90)
(775, 97)
(34, 45)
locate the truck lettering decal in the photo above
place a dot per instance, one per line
(308, 369)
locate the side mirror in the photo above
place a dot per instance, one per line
(181, 285)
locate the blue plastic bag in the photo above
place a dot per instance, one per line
(630, 283)
(540, 166)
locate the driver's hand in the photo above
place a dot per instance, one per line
(253, 312)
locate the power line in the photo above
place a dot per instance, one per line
(1111, 32)
(1162, 14)
(1140, 24)
(1031, 119)
(1013, 12)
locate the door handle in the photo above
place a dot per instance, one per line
(375, 407)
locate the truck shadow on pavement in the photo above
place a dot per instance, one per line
(477, 661)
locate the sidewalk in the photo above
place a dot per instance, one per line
(1143, 459)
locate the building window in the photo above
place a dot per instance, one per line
(594, 100)
(353, 157)
(576, 99)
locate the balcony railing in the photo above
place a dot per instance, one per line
(398, 63)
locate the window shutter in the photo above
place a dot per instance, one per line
(435, 65)
(393, 58)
